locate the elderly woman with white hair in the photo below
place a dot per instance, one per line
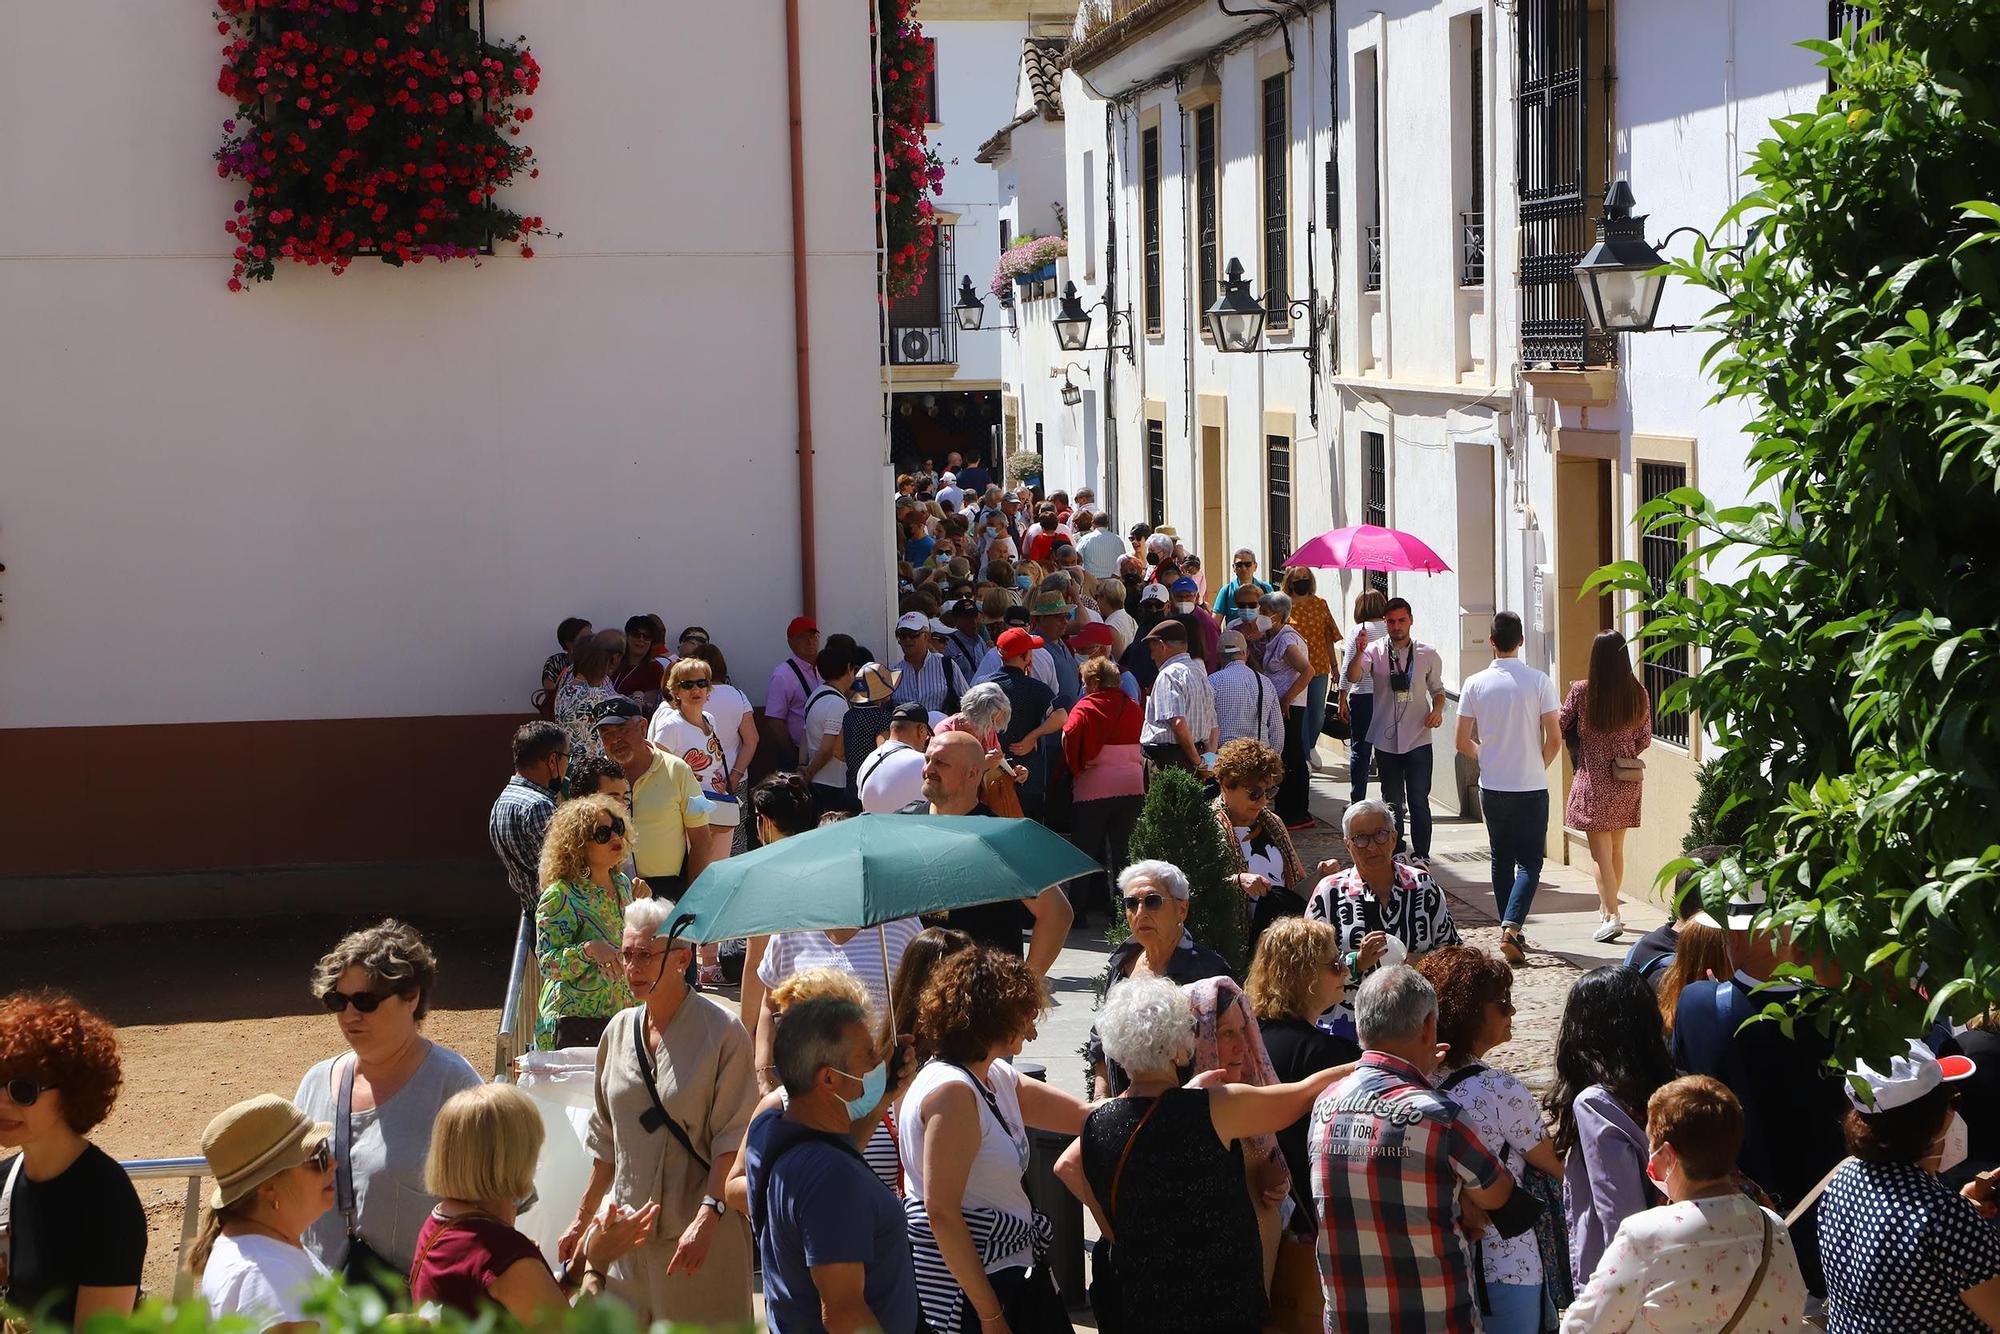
(984, 712)
(1155, 898)
(1160, 1166)
(1382, 910)
(676, 1087)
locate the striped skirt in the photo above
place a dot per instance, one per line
(994, 1235)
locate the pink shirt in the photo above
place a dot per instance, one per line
(786, 698)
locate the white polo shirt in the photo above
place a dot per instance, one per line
(1507, 701)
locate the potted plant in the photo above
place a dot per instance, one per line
(1024, 466)
(1030, 260)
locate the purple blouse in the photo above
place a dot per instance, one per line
(1604, 1178)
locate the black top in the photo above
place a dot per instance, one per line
(858, 729)
(1188, 963)
(1298, 1051)
(1029, 701)
(82, 1229)
(1187, 1253)
(997, 925)
(1653, 953)
(1979, 1095)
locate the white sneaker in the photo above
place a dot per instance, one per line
(1609, 929)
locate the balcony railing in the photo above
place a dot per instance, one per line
(1372, 270)
(1472, 248)
(929, 346)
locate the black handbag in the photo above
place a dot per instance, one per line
(1035, 1307)
(365, 1266)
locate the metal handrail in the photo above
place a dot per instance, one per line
(517, 1012)
(195, 1170)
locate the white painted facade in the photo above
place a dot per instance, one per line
(375, 496)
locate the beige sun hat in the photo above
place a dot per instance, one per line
(251, 1142)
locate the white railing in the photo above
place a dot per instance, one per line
(518, 1010)
(195, 1170)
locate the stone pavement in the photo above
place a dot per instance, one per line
(1559, 928)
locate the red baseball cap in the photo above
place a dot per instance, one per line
(1013, 643)
(1093, 635)
(801, 625)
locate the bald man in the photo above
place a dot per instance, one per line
(954, 765)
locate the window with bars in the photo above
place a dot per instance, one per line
(1368, 129)
(1278, 485)
(1375, 493)
(922, 331)
(1277, 141)
(1659, 552)
(1472, 222)
(1207, 208)
(1149, 203)
(1839, 18)
(1557, 159)
(1156, 471)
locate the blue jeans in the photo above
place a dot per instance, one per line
(1406, 782)
(1517, 827)
(1517, 1308)
(1360, 713)
(1315, 702)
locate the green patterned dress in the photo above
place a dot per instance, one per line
(568, 915)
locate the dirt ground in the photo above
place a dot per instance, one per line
(210, 1013)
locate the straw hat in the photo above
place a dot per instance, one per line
(253, 1141)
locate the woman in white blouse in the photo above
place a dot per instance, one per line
(1711, 1261)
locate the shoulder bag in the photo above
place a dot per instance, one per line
(1104, 1281)
(1756, 1279)
(1628, 768)
(1573, 734)
(365, 1265)
(655, 1117)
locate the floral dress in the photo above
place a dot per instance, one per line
(569, 914)
(1599, 800)
(1502, 1112)
(573, 701)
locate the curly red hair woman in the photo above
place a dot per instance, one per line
(79, 1231)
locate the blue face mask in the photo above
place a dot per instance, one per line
(873, 1085)
(1023, 581)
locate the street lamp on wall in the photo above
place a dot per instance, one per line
(1072, 323)
(1236, 322)
(1071, 395)
(970, 310)
(1619, 275)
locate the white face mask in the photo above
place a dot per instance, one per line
(1264, 624)
(1184, 607)
(1955, 1148)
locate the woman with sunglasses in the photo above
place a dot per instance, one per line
(577, 920)
(1297, 976)
(1154, 895)
(273, 1170)
(377, 982)
(79, 1233)
(1266, 864)
(1475, 997)
(1383, 910)
(675, 1091)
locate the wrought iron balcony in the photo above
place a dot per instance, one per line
(928, 345)
(1472, 248)
(1372, 270)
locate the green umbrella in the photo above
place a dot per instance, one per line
(872, 869)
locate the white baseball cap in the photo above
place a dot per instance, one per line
(1744, 905)
(1908, 1079)
(1153, 593)
(913, 620)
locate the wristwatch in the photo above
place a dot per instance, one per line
(710, 1202)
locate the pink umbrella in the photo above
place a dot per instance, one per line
(1368, 548)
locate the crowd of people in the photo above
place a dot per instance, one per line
(1322, 1141)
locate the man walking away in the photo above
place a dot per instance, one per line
(521, 814)
(1407, 680)
(1101, 548)
(1507, 722)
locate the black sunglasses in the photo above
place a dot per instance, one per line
(322, 1157)
(365, 1001)
(1150, 902)
(1259, 793)
(25, 1092)
(604, 833)
(693, 683)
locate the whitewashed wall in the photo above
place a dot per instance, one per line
(376, 495)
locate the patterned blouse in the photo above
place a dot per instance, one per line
(1313, 619)
(573, 701)
(1417, 914)
(1503, 1114)
(569, 914)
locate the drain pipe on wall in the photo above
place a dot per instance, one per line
(801, 316)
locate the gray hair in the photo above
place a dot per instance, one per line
(1366, 806)
(395, 956)
(1393, 1005)
(649, 917)
(985, 706)
(812, 1035)
(1146, 1025)
(1159, 874)
(1275, 605)
(1243, 551)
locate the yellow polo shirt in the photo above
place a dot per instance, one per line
(661, 816)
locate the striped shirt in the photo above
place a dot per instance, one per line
(1246, 705)
(1181, 690)
(933, 683)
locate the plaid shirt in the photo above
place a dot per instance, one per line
(1389, 1155)
(1181, 690)
(520, 818)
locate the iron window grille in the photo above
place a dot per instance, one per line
(922, 329)
(1659, 552)
(1372, 276)
(1839, 18)
(1553, 171)
(1472, 222)
(1207, 208)
(1149, 195)
(1375, 494)
(1276, 150)
(1278, 484)
(1156, 471)
(1472, 248)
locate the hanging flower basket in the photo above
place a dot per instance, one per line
(1029, 260)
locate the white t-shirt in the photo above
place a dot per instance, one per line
(824, 714)
(952, 496)
(862, 955)
(890, 778)
(994, 1179)
(677, 736)
(1508, 700)
(259, 1277)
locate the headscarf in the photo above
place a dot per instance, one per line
(1208, 999)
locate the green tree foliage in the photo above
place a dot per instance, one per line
(1846, 619)
(1178, 826)
(1708, 823)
